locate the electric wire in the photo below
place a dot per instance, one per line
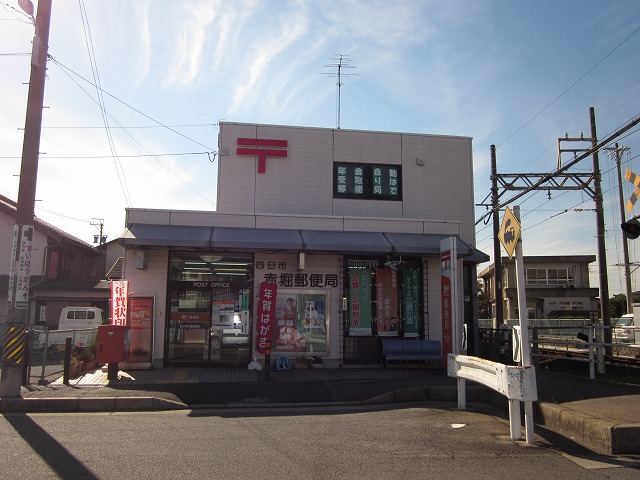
(122, 178)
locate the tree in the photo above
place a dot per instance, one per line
(484, 302)
(617, 305)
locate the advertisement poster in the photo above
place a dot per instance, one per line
(387, 302)
(266, 315)
(119, 294)
(141, 326)
(301, 321)
(411, 301)
(360, 302)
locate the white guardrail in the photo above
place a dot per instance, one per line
(516, 383)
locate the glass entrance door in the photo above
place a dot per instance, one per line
(209, 313)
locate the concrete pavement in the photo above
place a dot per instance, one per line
(603, 416)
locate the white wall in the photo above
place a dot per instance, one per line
(152, 280)
(440, 191)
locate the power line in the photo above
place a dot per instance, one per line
(571, 86)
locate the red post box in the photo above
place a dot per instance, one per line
(112, 344)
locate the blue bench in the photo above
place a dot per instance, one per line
(406, 350)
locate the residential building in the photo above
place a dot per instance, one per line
(556, 286)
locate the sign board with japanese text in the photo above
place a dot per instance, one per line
(451, 320)
(387, 302)
(119, 294)
(266, 315)
(411, 302)
(367, 181)
(140, 311)
(19, 277)
(360, 302)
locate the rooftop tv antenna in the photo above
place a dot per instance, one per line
(339, 62)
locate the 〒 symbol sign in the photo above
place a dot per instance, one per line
(262, 153)
(509, 232)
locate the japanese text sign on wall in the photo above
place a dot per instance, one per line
(266, 315)
(374, 182)
(119, 294)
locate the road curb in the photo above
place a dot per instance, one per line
(598, 435)
(87, 404)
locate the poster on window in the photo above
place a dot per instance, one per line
(360, 302)
(411, 302)
(141, 326)
(387, 302)
(301, 321)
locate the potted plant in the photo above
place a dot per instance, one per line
(74, 366)
(302, 363)
(87, 359)
(316, 362)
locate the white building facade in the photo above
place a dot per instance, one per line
(347, 225)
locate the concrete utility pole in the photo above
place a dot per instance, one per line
(616, 154)
(497, 259)
(602, 250)
(19, 278)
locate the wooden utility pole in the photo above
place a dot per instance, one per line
(19, 277)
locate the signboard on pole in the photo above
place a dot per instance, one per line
(451, 320)
(266, 316)
(119, 294)
(509, 232)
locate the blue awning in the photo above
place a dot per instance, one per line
(273, 239)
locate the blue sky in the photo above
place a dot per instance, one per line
(514, 74)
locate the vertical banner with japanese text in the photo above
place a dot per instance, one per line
(411, 302)
(387, 302)
(119, 294)
(451, 331)
(360, 302)
(19, 276)
(266, 315)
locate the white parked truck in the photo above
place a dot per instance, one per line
(79, 323)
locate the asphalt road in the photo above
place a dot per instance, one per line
(410, 441)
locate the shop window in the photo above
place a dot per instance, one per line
(384, 301)
(302, 321)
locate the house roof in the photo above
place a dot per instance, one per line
(10, 207)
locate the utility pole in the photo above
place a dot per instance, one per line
(602, 250)
(563, 180)
(616, 154)
(497, 259)
(19, 277)
(99, 239)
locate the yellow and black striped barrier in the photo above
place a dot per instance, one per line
(13, 351)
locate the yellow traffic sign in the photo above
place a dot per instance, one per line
(509, 232)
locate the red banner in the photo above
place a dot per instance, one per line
(266, 315)
(119, 294)
(387, 302)
(447, 327)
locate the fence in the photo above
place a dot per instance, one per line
(46, 355)
(571, 339)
